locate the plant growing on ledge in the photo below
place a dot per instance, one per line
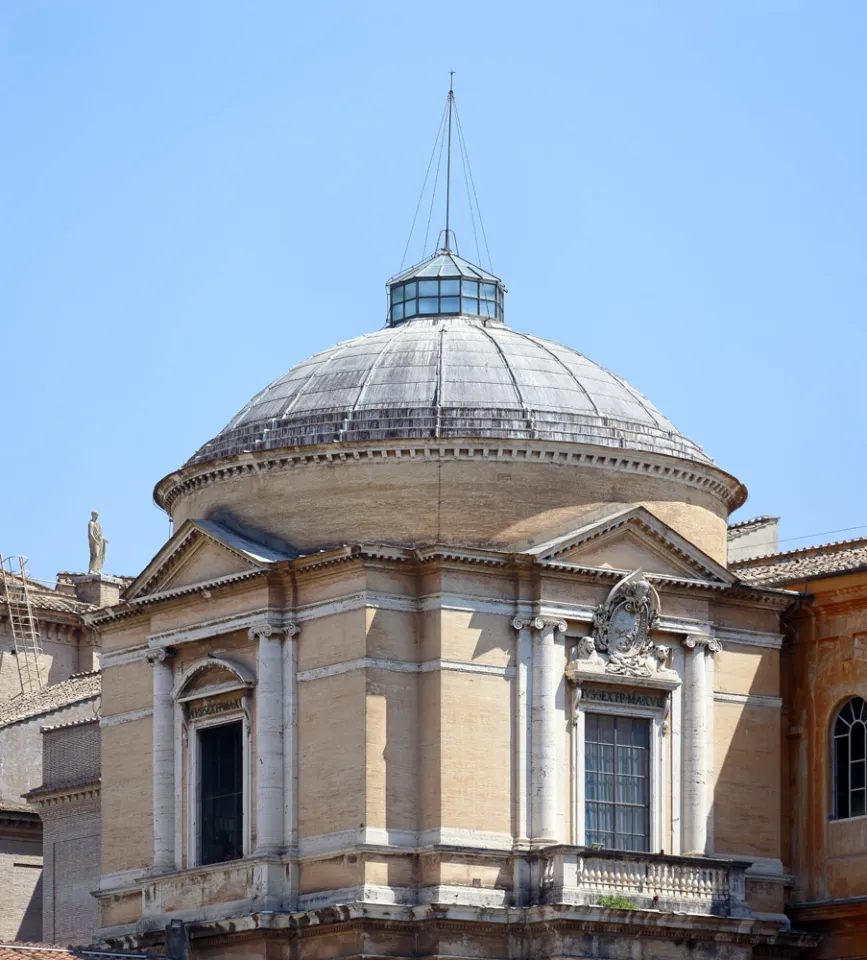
(617, 903)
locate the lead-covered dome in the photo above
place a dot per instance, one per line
(449, 376)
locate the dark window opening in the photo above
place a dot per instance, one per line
(221, 793)
(617, 782)
(850, 760)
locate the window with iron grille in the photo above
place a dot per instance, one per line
(617, 782)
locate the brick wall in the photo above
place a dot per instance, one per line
(71, 829)
(71, 753)
(21, 895)
(71, 870)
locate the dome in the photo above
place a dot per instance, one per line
(449, 376)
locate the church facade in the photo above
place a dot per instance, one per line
(444, 659)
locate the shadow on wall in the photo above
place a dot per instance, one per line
(31, 923)
(746, 816)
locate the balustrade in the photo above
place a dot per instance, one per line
(696, 885)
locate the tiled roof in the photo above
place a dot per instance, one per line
(50, 951)
(80, 686)
(7, 806)
(752, 522)
(806, 563)
(43, 598)
(71, 723)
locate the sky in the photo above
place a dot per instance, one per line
(196, 196)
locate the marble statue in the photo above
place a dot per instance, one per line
(97, 544)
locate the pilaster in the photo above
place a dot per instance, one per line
(163, 760)
(697, 778)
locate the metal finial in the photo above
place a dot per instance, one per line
(449, 158)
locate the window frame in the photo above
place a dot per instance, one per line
(194, 782)
(603, 771)
(240, 685)
(656, 769)
(832, 754)
(489, 304)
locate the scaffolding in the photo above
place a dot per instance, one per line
(22, 622)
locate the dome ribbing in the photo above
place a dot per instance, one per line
(460, 377)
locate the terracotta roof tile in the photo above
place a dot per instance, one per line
(81, 686)
(805, 563)
(51, 951)
(44, 598)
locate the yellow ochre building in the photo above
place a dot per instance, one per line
(452, 654)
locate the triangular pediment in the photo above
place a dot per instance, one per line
(203, 552)
(632, 538)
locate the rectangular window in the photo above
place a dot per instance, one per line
(617, 782)
(221, 793)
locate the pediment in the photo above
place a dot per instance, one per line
(631, 539)
(204, 561)
(203, 552)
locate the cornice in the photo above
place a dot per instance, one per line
(55, 796)
(760, 596)
(130, 608)
(706, 477)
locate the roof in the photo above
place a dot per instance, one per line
(8, 806)
(79, 687)
(51, 951)
(449, 377)
(805, 563)
(44, 598)
(752, 522)
(446, 264)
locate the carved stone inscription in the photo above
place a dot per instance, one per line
(211, 709)
(627, 698)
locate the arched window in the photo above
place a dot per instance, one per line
(850, 760)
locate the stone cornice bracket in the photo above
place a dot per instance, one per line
(539, 623)
(159, 655)
(710, 644)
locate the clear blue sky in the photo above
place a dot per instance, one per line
(197, 195)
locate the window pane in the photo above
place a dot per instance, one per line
(397, 312)
(858, 805)
(488, 309)
(221, 796)
(856, 740)
(616, 781)
(409, 290)
(489, 290)
(397, 294)
(428, 288)
(470, 305)
(449, 288)
(470, 288)
(450, 304)
(409, 308)
(428, 305)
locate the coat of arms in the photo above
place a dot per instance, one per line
(621, 630)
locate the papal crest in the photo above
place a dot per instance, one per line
(621, 630)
